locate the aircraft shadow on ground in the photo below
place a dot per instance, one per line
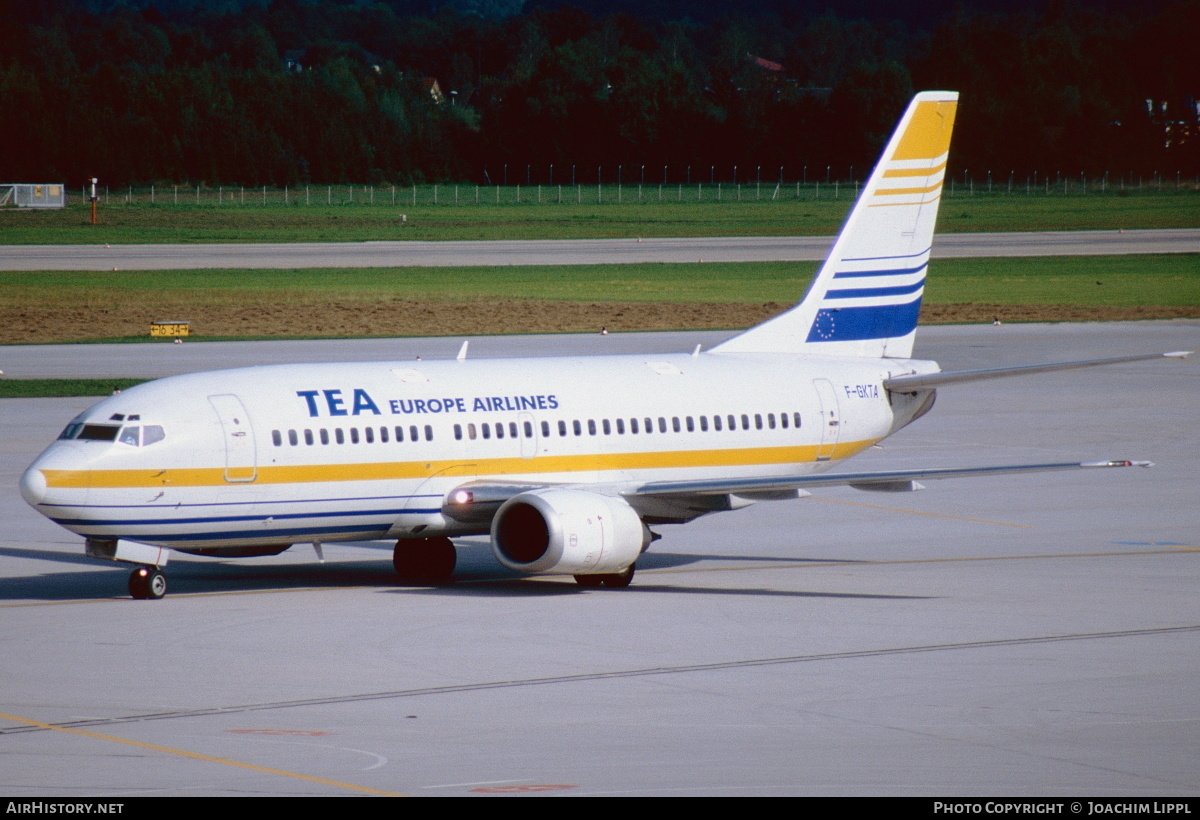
(533, 587)
(478, 574)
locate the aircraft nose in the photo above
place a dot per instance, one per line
(33, 486)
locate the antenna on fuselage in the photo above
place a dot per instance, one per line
(462, 351)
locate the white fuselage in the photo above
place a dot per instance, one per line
(267, 457)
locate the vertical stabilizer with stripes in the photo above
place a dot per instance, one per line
(866, 297)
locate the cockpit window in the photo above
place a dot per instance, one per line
(149, 434)
(99, 432)
(133, 435)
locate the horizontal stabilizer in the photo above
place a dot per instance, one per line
(929, 381)
(887, 480)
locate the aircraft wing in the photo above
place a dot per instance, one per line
(929, 381)
(884, 481)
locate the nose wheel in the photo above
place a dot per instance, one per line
(147, 583)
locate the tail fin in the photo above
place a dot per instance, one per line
(866, 297)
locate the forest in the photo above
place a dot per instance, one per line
(291, 92)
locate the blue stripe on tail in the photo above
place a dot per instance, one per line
(852, 324)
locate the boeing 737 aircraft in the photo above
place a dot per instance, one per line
(566, 462)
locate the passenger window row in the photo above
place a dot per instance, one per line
(575, 427)
(676, 424)
(499, 429)
(369, 435)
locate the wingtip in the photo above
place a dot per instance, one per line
(1178, 354)
(1117, 463)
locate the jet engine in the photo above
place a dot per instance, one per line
(567, 532)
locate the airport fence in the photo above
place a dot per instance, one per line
(612, 194)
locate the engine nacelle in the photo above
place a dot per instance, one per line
(567, 532)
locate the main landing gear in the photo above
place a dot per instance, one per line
(147, 583)
(612, 580)
(424, 561)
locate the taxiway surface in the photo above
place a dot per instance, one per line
(1026, 635)
(567, 252)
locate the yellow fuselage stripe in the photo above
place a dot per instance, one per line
(398, 470)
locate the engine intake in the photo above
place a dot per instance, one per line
(567, 532)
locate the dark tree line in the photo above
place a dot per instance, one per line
(293, 91)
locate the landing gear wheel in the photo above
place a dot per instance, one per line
(612, 580)
(425, 561)
(619, 580)
(147, 583)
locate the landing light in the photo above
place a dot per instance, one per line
(462, 497)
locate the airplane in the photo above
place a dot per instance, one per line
(565, 462)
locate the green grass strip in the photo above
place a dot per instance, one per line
(813, 214)
(54, 388)
(1164, 279)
